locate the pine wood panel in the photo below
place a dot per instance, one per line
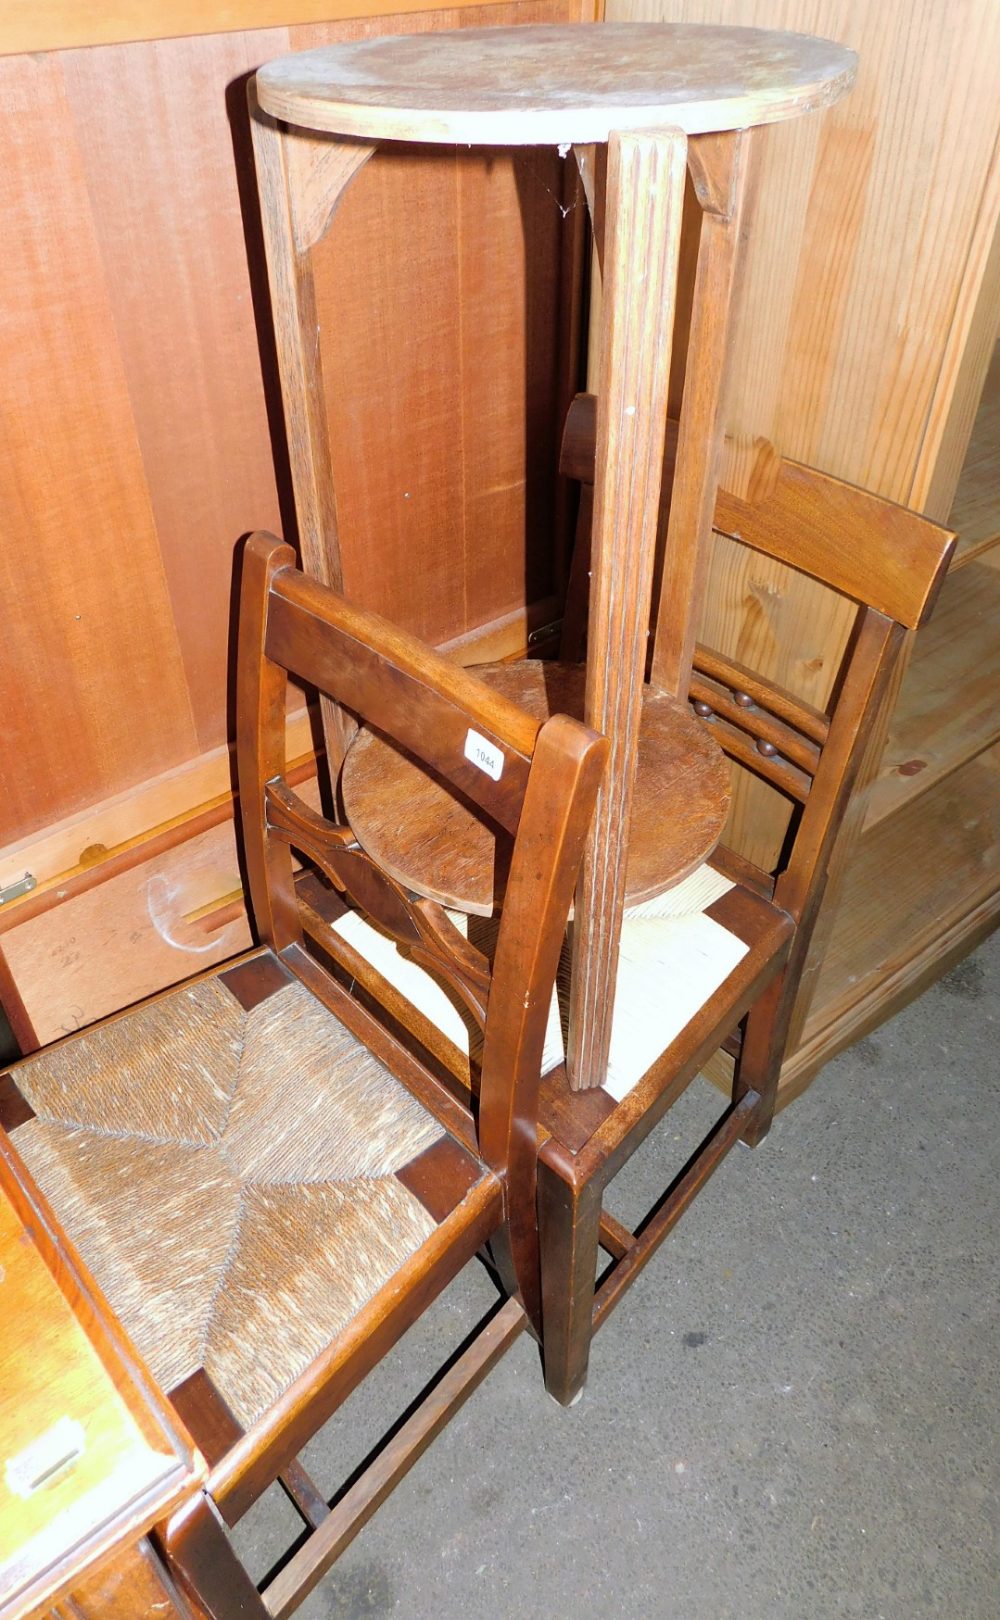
(869, 316)
(868, 216)
(942, 849)
(128, 937)
(975, 511)
(133, 934)
(107, 830)
(966, 359)
(949, 704)
(944, 899)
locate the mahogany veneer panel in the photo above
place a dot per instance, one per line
(90, 647)
(137, 442)
(159, 165)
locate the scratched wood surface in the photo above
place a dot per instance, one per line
(137, 443)
(554, 85)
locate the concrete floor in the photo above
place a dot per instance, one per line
(793, 1412)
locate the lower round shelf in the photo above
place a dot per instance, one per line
(441, 846)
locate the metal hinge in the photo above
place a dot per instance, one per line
(545, 632)
(14, 891)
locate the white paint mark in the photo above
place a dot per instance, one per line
(160, 897)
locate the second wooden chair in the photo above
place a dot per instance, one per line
(719, 958)
(716, 959)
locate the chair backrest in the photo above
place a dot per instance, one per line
(537, 781)
(888, 560)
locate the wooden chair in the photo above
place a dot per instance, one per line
(265, 1184)
(718, 959)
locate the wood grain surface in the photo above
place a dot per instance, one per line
(450, 853)
(72, 487)
(948, 709)
(950, 835)
(975, 511)
(644, 204)
(557, 84)
(61, 24)
(162, 920)
(868, 215)
(871, 307)
(139, 435)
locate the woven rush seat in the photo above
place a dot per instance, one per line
(219, 1152)
(674, 957)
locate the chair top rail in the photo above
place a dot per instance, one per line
(478, 741)
(880, 554)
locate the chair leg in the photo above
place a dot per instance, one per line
(202, 1561)
(569, 1225)
(759, 1065)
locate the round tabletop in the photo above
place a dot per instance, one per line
(440, 846)
(545, 84)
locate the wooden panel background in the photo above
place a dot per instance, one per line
(136, 437)
(48, 25)
(868, 220)
(870, 313)
(442, 413)
(870, 257)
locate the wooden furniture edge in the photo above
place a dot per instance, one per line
(148, 1406)
(851, 1020)
(56, 854)
(873, 1006)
